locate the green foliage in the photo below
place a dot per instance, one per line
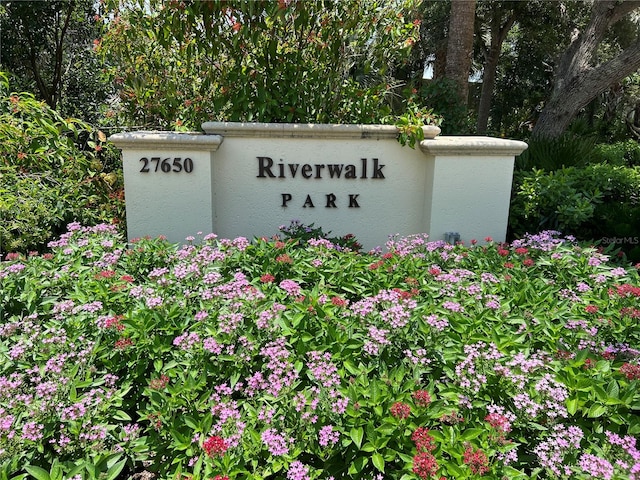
(258, 61)
(126, 360)
(300, 234)
(597, 202)
(625, 153)
(440, 95)
(53, 171)
(553, 154)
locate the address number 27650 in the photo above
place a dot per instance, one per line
(166, 165)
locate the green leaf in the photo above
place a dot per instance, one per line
(115, 470)
(358, 465)
(471, 433)
(572, 405)
(121, 415)
(613, 389)
(596, 410)
(378, 461)
(37, 472)
(357, 434)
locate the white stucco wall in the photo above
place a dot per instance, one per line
(457, 184)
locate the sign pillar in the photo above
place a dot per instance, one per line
(168, 181)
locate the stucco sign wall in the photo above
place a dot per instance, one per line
(247, 179)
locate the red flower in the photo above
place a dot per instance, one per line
(632, 312)
(424, 442)
(632, 372)
(421, 397)
(591, 309)
(215, 446)
(127, 278)
(123, 343)
(527, 262)
(339, 302)
(521, 250)
(400, 410)
(499, 422)
(220, 477)
(115, 322)
(284, 258)
(159, 383)
(502, 252)
(425, 465)
(376, 265)
(105, 274)
(628, 290)
(476, 459)
(267, 278)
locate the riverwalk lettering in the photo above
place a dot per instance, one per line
(368, 168)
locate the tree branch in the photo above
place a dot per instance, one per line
(59, 41)
(619, 67)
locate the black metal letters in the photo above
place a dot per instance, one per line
(167, 165)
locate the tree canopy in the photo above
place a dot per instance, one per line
(536, 66)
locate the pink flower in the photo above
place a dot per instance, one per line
(291, 287)
(327, 436)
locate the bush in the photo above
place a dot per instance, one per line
(597, 202)
(315, 61)
(53, 171)
(568, 150)
(277, 359)
(620, 153)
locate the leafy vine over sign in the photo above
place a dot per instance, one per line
(263, 61)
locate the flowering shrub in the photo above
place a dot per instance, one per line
(52, 170)
(218, 360)
(237, 61)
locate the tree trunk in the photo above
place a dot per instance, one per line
(577, 81)
(460, 45)
(498, 35)
(563, 107)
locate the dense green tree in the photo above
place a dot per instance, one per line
(47, 46)
(248, 60)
